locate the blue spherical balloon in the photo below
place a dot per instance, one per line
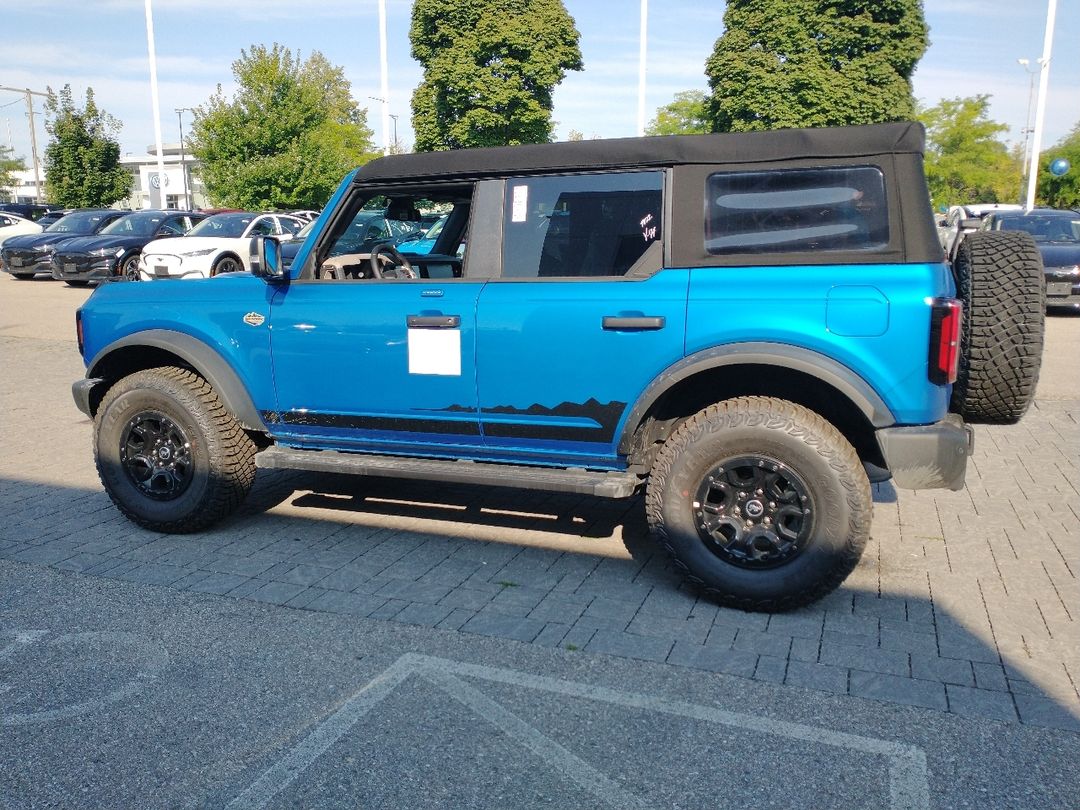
(1059, 167)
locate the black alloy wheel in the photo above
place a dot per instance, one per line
(754, 512)
(226, 264)
(129, 268)
(155, 452)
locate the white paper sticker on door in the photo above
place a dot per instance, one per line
(520, 208)
(435, 351)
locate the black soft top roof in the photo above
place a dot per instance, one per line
(669, 150)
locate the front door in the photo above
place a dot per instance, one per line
(380, 364)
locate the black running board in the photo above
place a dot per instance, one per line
(552, 479)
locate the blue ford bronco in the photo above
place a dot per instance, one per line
(751, 327)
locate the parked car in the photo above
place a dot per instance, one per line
(367, 230)
(218, 244)
(25, 256)
(751, 326)
(961, 219)
(31, 211)
(1057, 236)
(427, 241)
(14, 225)
(115, 252)
(55, 216)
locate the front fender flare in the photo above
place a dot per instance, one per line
(202, 358)
(807, 361)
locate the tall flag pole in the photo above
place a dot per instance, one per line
(641, 68)
(157, 108)
(1040, 106)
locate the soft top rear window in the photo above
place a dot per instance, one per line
(795, 210)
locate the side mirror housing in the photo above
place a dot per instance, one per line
(265, 254)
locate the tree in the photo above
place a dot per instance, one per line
(82, 159)
(965, 160)
(8, 166)
(1064, 191)
(490, 69)
(814, 63)
(684, 116)
(286, 138)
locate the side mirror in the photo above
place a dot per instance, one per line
(265, 254)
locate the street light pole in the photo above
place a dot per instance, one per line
(1025, 64)
(384, 84)
(642, 50)
(183, 161)
(394, 145)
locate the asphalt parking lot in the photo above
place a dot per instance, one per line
(423, 645)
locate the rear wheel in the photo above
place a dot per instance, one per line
(761, 502)
(999, 276)
(171, 457)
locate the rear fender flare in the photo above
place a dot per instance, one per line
(807, 361)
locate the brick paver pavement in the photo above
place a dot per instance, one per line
(965, 602)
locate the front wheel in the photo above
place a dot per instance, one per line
(226, 264)
(169, 454)
(129, 268)
(761, 502)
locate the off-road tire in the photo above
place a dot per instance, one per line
(798, 439)
(222, 455)
(999, 277)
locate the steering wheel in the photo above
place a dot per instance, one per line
(397, 265)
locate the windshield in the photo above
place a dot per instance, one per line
(225, 225)
(81, 222)
(1063, 230)
(135, 225)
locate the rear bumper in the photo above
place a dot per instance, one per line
(928, 456)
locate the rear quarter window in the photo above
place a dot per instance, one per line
(792, 210)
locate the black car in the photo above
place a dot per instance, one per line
(31, 211)
(114, 253)
(25, 256)
(1057, 235)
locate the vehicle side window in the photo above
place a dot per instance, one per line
(833, 208)
(174, 227)
(4, 222)
(264, 227)
(580, 225)
(289, 226)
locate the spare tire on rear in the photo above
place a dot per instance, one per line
(999, 278)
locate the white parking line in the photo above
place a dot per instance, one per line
(908, 788)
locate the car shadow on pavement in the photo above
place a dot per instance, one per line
(555, 571)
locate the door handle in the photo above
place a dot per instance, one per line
(433, 321)
(640, 323)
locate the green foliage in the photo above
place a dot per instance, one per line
(82, 159)
(965, 160)
(286, 138)
(684, 116)
(1064, 191)
(490, 69)
(8, 166)
(814, 63)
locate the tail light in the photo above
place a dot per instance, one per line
(945, 318)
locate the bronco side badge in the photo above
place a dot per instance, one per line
(254, 319)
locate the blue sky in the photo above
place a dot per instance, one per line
(102, 44)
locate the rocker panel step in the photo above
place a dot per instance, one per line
(552, 479)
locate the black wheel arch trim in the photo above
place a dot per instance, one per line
(807, 361)
(202, 358)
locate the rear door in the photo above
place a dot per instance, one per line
(581, 319)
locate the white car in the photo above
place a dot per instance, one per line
(218, 244)
(14, 225)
